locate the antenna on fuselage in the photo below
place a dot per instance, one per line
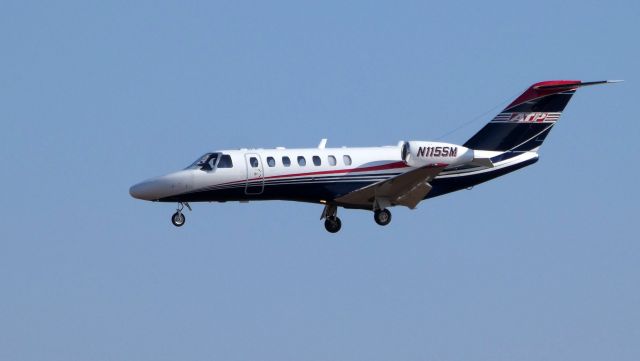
(323, 143)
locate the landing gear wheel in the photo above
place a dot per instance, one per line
(332, 224)
(382, 217)
(178, 219)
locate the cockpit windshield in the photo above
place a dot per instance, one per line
(206, 162)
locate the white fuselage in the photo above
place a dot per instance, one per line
(315, 175)
(253, 168)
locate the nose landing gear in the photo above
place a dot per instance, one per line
(178, 219)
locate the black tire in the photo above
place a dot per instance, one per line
(382, 217)
(178, 219)
(332, 224)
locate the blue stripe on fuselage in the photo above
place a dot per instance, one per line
(314, 189)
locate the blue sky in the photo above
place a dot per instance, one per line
(539, 265)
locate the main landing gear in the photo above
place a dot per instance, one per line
(382, 216)
(178, 218)
(333, 224)
(331, 221)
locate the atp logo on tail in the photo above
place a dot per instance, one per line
(520, 117)
(533, 117)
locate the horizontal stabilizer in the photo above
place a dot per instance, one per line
(577, 84)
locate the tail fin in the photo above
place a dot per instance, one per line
(525, 123)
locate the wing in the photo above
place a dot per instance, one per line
(406, 189)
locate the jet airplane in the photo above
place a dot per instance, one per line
(369, 178)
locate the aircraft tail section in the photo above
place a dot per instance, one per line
(525, 123)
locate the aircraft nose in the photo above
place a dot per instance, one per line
(160, 187)
(149, 190)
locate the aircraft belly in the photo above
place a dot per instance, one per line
(444, 185)
(302, 192)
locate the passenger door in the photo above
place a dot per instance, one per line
(255, 174)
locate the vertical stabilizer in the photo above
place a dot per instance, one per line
(525, 123)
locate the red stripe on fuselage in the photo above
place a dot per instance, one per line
(352, 170)
(394, 165)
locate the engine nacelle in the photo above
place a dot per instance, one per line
(420, 154)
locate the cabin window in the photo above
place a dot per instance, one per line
(286, 161)
(346, 159)
(332, 160)
(271, 162)
(254, 162)
(225, 161)
(301, 161)
(316, 161)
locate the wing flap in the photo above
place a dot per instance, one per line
(406, 189)
(412, 197)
